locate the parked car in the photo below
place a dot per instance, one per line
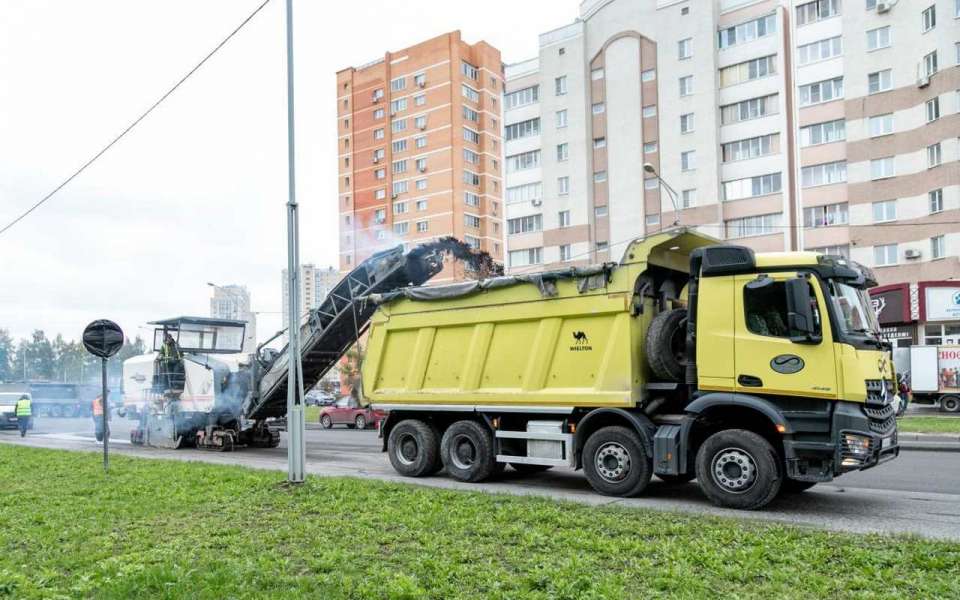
(347, 411)
(318, 398)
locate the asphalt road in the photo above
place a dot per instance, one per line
(917, 493)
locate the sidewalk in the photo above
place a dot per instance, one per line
(939, 442)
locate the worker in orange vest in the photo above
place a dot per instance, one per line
(98, 417)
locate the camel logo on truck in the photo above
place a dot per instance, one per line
(581, 343)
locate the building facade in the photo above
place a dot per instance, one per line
(419, 150)
(315, 284)
(233, 302)
(779, 124)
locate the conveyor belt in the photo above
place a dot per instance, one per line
(332, 328)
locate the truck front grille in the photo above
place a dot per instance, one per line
(875, 392)
(880, 419)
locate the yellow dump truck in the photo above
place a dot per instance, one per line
(756, 374)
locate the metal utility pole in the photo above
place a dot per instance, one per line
(671, 193)
(296, 448)
(105, 406)
(103, 339)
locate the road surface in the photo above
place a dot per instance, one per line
(917, 493)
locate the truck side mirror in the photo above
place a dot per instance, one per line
(800, 319)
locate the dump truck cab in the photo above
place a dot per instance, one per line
(756, 374)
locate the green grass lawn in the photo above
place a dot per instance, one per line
(929, 424)
(156, 529)
(311, 414)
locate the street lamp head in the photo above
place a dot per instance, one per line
(648, 167)
(212, 284)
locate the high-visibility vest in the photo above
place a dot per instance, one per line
(23, 408)
(97, 406)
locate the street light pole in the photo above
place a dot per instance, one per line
(649, 168)
(295, 425)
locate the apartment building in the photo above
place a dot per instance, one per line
(315, 283)
(233, 302)
(779, 124)
(419, 150)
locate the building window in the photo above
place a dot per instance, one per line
(747, 32)
(380, 216)
(469, 156)
(523, 161)
(821, 91)
(884, 211)
(688, 160)
(378, 114)
(399, 187)
(563, 152)
(750, 148)
(878, 38)
(881, 125)
(651, 183)
(598, 108)
(880, 81)
(599, 176)
(421, 205)
(881, 168)
(399, 146)
(936, 201)
(398, 84)
(471, 178)
(471, 135)
(471, 221)
(422, 226)
(820, 50)
(420, 99)
(398, 105)
(563, 186)
(399, 166)
(561, 119)
(748, 71)
(686, 85)
(377, 95)
(471, 199)
(825, 216)
(688, 198)
(685, 49)
(934, 155)
(823, 133)
(824, 174)
(565, 253)
(928, 18)
(560, 85)
(749, 109)
(528, 224)
(600, 211)
(398, 125)
(380, 194)
(648, 75)
(686, 123)
(842, 251)
(649, 111)
(469, 93)
(885, 255)
(938, 247)
(401, 228)
(563, 218)
(380, 174)
(751, 226)
(378, 134)
(524, 193)
(422, 163)
(469, 70)
(526, 257)
(470, 114)
(599, 143)
(420, 141)
(649, 147)
(522, 129)
(751, 187)
(602, 246)
(811, 12)
(378, 155)
(523, 97)
(420, 122)
(596, 74)
(930, 64)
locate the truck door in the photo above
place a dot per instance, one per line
(766, 360)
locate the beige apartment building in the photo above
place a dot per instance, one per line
(315, 283)
(830, 125)
(419, 150)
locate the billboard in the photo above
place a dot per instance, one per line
(942, 303)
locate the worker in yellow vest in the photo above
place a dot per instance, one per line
(98, 418)
(24, 413)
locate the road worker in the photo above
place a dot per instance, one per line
(98, 417)
(24, 414)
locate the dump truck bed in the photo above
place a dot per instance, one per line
(566, 338)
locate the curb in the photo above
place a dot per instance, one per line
(931, 446)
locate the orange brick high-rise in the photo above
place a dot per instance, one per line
(419, 150)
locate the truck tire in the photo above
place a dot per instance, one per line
(950, 404)
(413, 448)
(666, 345)
(615, 462)
(737, 468)
(467, 451)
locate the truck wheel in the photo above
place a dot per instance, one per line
(666, 344)
(361, 422)
(326, 422)
(737, 468)
(529, 469)
(413, 448)
(792, 486)
(950, 404)
(467, 451)
(615, 462)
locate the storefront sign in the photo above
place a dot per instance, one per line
(892, 304)
(942, 303)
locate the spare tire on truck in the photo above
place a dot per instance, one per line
(666, 345)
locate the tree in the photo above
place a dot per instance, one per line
(6, 356)
(41, 363)
(349, 368)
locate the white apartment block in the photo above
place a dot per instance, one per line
(315, 284)
(779, 124)
(233, 302)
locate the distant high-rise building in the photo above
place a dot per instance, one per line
(233, 302)
(419, 150)
(315, 284)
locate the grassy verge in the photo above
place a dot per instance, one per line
(311, 414)
(191, 530)
(929, 424)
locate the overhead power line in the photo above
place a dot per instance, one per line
(137, 120)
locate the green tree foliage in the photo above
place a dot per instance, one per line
(39, 359)
(7, 351)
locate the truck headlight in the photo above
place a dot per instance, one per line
(855, 449)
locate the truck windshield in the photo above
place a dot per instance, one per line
(854, 311)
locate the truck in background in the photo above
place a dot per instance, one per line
(756, 374)
(933, 374)
(56, 400)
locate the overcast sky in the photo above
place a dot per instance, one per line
(197, 192)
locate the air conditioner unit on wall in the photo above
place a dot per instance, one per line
(912, 253)
(536, 202)
(422, 83)
(883, 7)
(923, 81)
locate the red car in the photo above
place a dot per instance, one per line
(347, 411)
